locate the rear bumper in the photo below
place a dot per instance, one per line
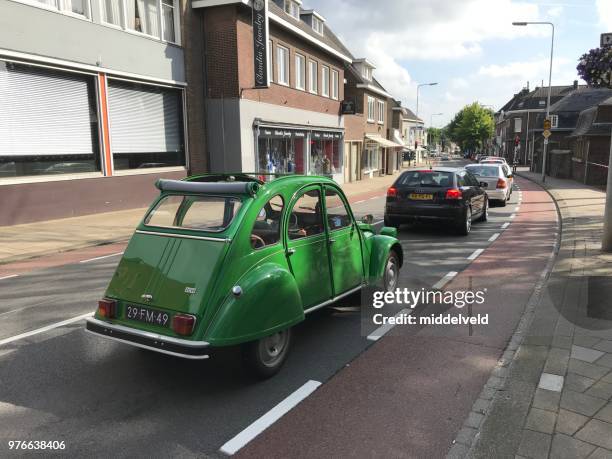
(194, 350)
(497, 194)
(425, 212)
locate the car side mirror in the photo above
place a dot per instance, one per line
(510, 176)
(367, 219)
(484, 185)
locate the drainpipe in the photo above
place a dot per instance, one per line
(606, 245)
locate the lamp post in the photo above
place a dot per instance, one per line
(419, 87)
(552, 46)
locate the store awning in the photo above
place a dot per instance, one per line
(383, 142)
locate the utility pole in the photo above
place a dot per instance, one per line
(417, 101)
(606, 243)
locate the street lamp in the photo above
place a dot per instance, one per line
(419, 87)
(552, 46)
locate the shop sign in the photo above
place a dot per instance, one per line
(260, 43)
(348, 107)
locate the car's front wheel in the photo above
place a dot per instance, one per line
(265, 357)
(391, 272)
(464, 227)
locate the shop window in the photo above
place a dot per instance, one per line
(306, 216)
(338, 216)
(281, 151)
(300, 72)
(266, 230)
(48, 122)
(146, 126)
(325, 81)
(325, 154)
(370, 158)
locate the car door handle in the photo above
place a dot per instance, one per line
(290, 252)
(331, 241)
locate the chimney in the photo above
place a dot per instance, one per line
(575, 84)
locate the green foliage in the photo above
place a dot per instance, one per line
(472, 126)
(434, 135)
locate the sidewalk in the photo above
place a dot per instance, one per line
(557, 400)
(31, 240)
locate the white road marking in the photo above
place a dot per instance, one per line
(505, 225)
(512, 216)
(517, 208)
(45, 329)
(476, 254)
(384, 329)
(494, 237)
(359, 202)
(445, 280)
(261, 424)
(375, 197)
(101, 258)
(12, 276)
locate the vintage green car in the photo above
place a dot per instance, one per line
(224, 260)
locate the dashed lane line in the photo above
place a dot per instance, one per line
(101, 258)
(505, 225)
(261, 424)
(445, 280)
(45, 329)
(12, 276)
(384, 329)
(494, 237)
(476, 254)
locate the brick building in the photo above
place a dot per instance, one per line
(294, 125)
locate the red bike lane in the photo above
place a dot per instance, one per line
(409, 394)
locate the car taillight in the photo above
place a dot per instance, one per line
(392, 192)
(183, 324)
(501, 183)
(107, 308)
(453, 193)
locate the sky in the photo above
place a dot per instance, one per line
(469, 47)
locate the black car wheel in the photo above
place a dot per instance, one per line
(391, 272)
(465, 226)
(265, 357)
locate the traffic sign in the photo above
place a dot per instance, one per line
(547, 125)
(606, 39)
(546, 133)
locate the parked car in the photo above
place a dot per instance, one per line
(445, 157)
(222, 260)
(442, 194)
(499, 186)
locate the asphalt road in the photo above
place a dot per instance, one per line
(108, 399)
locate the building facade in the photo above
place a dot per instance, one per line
(93, 105)
(295, 124)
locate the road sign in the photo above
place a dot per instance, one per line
(546, 133)
(547, 125)
(606, 39)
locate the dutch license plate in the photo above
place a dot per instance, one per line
(147, 316)
(420, 197)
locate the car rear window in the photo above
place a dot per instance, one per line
(484, 171)
(204, 213)
(426, 178)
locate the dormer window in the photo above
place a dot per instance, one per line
(317, 25)
(366, 72)
(292, 8)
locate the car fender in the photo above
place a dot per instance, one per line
(380, 246)
(269, 301)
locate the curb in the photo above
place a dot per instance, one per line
(468, 436)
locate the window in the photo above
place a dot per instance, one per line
(381, 111)
(146, 126)
(283, 65)
(554, 121)
(518, 124)
(270, 63)
(325, 153)
(426, 178)
(370, 158)
(48, 122)
(266, 230)
(371, 109)
(79, 7)
(306, 219)
(300, 72)
(335, 84)
(325, 81)
(313, 74)
(317, 25)
(292, 8)
(366, 72)
(212, 214)
(142, 16)
(338, 216)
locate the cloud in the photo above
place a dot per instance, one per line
(604, 9)
(555, 12)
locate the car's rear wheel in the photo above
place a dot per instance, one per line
(465, 226)
(392, 269)
(265, 357)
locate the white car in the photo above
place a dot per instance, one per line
(499, 184)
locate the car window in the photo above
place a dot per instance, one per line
(266, 229)
(306, 217)
(461, 179)
(471, 180)
(483, 170)
(506, 170)
(426, 178)
(338, 215)
(205, 213)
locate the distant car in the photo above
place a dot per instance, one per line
(224, 260)
(441, 194)
(445, 157)
(499, 186)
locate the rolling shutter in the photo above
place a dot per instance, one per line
(144, 119)
(45, 113)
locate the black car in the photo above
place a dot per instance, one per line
(443, 194)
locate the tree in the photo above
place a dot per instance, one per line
(595, 67)
(434, 135)
(471, 127)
